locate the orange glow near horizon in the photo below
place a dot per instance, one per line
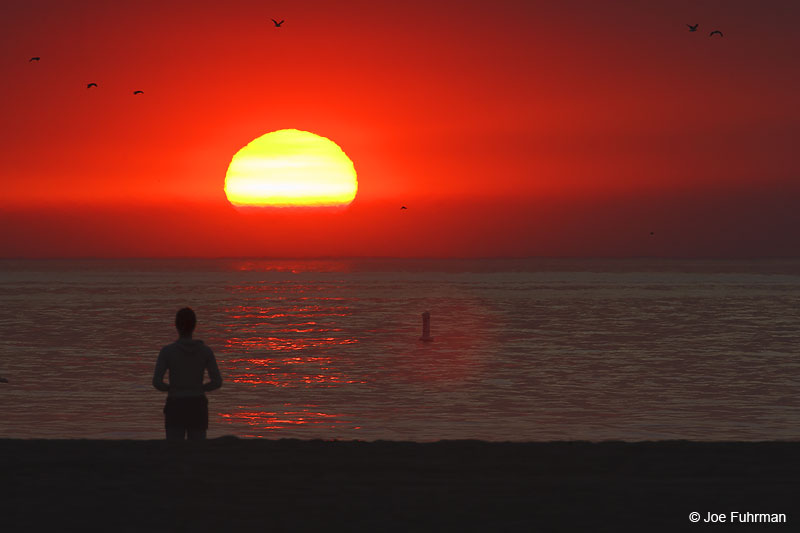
(291, 168)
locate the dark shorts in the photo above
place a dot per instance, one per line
(189, 413)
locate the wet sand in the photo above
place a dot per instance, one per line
(230, 484)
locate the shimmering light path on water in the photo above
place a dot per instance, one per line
(524, 350)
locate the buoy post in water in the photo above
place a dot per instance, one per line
(426, 327)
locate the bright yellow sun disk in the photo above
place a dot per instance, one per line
(291, 168)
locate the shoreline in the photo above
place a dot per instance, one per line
(232, 484)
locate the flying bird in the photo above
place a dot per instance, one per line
(138, 92)
(403, 207)
(34, 59)
(277, 24)
(90, 85)
(715, 31)
(693, 28)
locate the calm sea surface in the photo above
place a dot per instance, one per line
(523, 349)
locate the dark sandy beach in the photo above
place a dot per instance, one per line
(230, 484)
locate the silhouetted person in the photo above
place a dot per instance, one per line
(693, 28)
(186, 411)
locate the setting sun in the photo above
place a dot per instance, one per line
(291, 168)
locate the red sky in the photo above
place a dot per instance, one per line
(508, 128)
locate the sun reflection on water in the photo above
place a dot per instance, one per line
(295, 267)
(291, 417)
(287, 336)
(289, 371)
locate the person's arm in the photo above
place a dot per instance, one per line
(213, 373)
(158, 375)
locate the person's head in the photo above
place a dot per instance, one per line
(185, 321)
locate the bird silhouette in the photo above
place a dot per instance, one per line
(652, 233)
(715, 31)
(693, 28)
(34, 59)
(403, 207)
(278, 24)
(138, 92)
(90, 85)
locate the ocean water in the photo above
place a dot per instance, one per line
(523, 350)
